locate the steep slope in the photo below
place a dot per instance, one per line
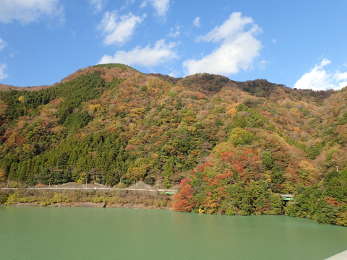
(217, 137)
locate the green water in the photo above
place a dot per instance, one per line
(93, 233)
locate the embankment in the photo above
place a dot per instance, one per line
(88, 198)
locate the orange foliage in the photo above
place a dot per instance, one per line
(183, 199)
(242, 162)
(332, 201)
(231, 109)
(202, 167)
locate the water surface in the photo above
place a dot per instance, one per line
(94, 233)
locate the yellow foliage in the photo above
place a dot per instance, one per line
(138, 170)
(155, 85)
(137, 110)
(132, 127)
(191, 128)
(82, 178)
(3, 107)
(231, 109)
(223, 147)
(307, 166)
(2, 175)
(342, 131)
(21, 99)
(57, 129)
(154, 155)
(342, 219)
(94, 107)
(27, 148)
(309, 169)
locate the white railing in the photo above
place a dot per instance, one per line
(91, 188)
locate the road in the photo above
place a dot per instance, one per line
(172, 191)
(90, 189)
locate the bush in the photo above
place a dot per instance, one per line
(77, 120)
(335, 184)
(311, 203)
(313, 151)
(267, 160)
(239, 136)
(3, 198)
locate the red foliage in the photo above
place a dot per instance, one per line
(215, 176)
(183, 199)
(333, 202)
(223, 176)
(203, 166)
(245, 162)
(227, 156)
(130, 147)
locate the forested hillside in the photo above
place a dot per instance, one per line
(233, 147)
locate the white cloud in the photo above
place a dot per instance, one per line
(3, 74)
(197, 22)
(119, 30)
(341, 76)
(237, 48)
(321, 79)
(173, 74)
(160, 6)
(148, 56)
(175, 31)
(27, 11)
(2, 44)
(97, 4)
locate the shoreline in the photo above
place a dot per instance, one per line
(84, 205)
(96, 199)
(86, 198)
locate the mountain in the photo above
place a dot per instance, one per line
(233, 147)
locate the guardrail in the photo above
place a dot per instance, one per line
(92, 188)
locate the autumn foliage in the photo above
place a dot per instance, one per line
(183, 199)
(233, 147)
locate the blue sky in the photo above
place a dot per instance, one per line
(297, 43)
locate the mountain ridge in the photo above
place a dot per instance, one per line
(248, 83)
(216, 137)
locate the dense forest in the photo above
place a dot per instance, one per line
(232, 147)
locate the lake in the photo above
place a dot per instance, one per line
(95, 233)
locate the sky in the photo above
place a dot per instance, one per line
(297, 43)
